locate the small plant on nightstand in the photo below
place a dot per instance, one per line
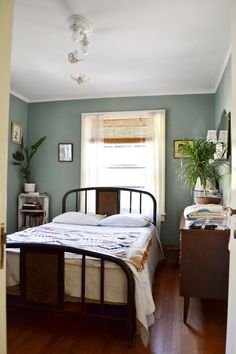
(23, 158)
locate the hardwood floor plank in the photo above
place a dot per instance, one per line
(44, 333)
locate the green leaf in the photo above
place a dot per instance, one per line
(18, 156)
(38, 143)
(24, 156)
(198, 162)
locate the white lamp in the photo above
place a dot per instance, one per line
(212, 136)
(223, 136)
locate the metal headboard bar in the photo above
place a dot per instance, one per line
(140, 204)
(131, 190)
(77, 201)
(85, 201)
(130, 202)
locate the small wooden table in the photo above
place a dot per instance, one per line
(204, 264)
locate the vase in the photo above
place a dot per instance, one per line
(207, 200)
(29, 187)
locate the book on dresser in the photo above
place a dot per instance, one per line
(33, 209)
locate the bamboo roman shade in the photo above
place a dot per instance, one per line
(121, 131)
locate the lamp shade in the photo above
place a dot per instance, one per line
(212, 136)
(223, 136)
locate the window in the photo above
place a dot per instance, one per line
(125, 149)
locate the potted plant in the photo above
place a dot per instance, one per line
(23, 158)
(198, 164)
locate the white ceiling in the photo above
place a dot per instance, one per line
(138, 47)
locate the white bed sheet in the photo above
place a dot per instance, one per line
(115, 280)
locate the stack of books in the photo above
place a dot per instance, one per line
(32, 206)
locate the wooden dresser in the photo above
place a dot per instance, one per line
(204, 264)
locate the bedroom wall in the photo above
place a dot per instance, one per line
(18, 112)
(223, 101)
(187, 116)
(223, 95)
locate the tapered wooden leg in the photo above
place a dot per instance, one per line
(186, 306)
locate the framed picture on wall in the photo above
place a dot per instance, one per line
(16, 133)
(65, 152)
(176, 152)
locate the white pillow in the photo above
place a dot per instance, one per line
(78, 218)
(126, 220)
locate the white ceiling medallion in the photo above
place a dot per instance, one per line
(80, 28)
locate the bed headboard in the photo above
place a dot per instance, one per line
(109, 200)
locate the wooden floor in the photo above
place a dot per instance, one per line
(54, 334)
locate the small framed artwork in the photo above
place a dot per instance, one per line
(177, 153)
(65, 152)
(16, 133)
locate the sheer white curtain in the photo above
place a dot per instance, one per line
(146, 126)
(155, 179)
(92, 136)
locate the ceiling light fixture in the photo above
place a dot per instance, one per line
(73, 57)
(81, 79)
(80, 27)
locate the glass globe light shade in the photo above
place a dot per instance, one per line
(84, 49)
(74, 36)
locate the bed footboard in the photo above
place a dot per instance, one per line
(42, 282)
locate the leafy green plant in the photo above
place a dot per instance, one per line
(198, 162)
(23, 158)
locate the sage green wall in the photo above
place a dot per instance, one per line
(223, 95)
(18, 112)
(187, 116)
(223, 101)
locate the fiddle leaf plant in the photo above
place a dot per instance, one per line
(23, 158)
(198, 163)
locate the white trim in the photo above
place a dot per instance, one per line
(19, 96)
(117, 113)
(225, 62)
(174, 93)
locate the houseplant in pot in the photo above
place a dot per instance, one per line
(198, 164)
(22, 158)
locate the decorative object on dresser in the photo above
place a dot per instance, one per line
(204, 263)
(198, 165)
(223, 145)
(23, 158)
(33, 209)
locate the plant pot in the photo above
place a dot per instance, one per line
(29, 187)
(207, 200)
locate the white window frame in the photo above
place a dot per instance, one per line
(162, 147)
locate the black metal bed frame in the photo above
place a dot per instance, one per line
(115, 190)
(48, 260)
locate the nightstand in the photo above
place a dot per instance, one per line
(204, 264)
